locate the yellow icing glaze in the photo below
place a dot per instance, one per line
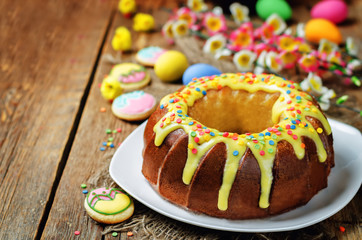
(119, 202)
(288, 115)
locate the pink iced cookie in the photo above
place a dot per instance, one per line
(134, 106)
(131, 76)
(108, 205)
(149, 55)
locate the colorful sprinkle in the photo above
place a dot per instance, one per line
(76, 232)
(235, 153)
(319, 130)
(129, 234)
(102, 148)
(108, 131)
(102, 109)
(114, 234)
(194, 151)
(83, 185)
(85, 191)
(342, 229)
(262, 153)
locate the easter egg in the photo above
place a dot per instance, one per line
(319, 28)
(199, 70)
(171, 65)
(265, 8)
(335, 11)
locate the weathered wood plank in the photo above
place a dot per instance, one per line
(86, 160)
(47, 53)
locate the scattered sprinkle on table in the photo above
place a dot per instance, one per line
(130, 234)
(114, 234)
(83, 185)
(102, 148)
(102, 109)
(76, 232)
(108, 131)
(85, 191)
(342, 229)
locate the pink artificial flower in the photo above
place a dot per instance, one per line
(186, 14)
(265, 33)
(214, 23)
(309, 62)
(287, 43)
(288, 59)
(241, 38)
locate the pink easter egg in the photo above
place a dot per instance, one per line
(335, 11)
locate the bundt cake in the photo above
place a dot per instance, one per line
(238, 146)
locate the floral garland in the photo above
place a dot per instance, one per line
(270, 47)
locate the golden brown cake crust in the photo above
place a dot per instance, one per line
(295, 180)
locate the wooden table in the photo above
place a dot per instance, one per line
(51, 127)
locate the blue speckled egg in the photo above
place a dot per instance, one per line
(199, 70)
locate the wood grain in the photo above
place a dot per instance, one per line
(46, 63)
(86, 160)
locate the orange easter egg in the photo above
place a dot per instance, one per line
(318, 28)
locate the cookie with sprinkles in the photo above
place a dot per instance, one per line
(149, 55)
(131, 76)
(108, 205)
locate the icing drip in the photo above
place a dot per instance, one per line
(288, 115)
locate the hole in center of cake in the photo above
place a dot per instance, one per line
(237, 111)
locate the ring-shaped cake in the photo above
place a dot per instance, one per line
(238, 146)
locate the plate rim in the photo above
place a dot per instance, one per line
(352, 192)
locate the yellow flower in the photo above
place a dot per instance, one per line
(240, 13)
(197, 5)
(121, 40)
(244, 60)
(180, 28)
(127, 6)
(143, 22)
(304, 48)
(277, 22)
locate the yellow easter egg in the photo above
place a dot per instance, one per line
(318, 28)
(171, 65)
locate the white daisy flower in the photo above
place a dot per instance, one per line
(324, 99)
(351, 46)
(313, 83)
(180, 28)
(239, 12)
(223, 53)
(277, 22)
(244, 60)
(260, 63)
(300, 30)
(197, 5)
(217, 10)
(272, 62)
(214, 44)
(167, 30)
(327, 47)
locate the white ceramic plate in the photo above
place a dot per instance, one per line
(343, 183)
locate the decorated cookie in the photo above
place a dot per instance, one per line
(131, 76)
(134, 106)
(110, 88)
(149, 55)
(108, 205)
